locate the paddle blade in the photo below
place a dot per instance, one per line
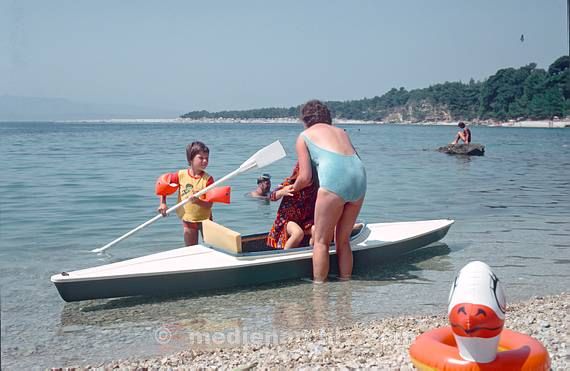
(265, 156)
(219, 194)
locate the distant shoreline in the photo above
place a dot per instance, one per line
(545, 124)
(564, 123)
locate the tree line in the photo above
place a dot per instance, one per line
(527, 92)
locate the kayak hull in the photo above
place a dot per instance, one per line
(184, 283)
(145, 276)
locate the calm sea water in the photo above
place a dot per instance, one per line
(67, 188)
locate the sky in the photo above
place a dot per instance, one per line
(218, 55)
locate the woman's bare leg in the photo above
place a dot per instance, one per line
(342, 237)
(296, 235)
(328, 210)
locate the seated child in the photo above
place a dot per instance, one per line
(464, 134)
(191, 180)
(295, 214)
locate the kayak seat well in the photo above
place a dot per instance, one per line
(254, 243)
(232, 242)
(257, 242)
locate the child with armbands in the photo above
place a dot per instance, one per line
(189, 181)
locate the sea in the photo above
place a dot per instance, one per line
(66, 188)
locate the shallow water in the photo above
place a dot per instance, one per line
(68, 188)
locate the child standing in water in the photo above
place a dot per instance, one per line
(192, 180)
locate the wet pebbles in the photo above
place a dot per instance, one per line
(378, 344)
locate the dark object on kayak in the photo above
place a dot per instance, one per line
(472, 149)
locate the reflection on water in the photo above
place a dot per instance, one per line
(328, 304)
(405, 267)
(463, 161)
(274, 311)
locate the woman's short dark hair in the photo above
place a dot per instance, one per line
(194, 148)
(314, 112)
(461, 125)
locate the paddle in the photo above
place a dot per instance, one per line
(265, 156)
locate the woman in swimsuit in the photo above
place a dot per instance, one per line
(342, 186)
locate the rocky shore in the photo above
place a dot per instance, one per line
(379, 344)
(544, 124)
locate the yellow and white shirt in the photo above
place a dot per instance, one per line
(188, 185)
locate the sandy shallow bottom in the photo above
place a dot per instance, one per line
(377, 344)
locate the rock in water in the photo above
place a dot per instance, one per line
(472, 149)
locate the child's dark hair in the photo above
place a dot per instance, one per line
(194, 148)
(314, 112)
(461, 125)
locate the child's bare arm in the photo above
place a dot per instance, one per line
(162, 207)
(201, 203)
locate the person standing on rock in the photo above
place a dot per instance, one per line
(464, 134)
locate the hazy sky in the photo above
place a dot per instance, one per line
(190, 55)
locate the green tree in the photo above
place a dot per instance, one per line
(560, 65)
(509, 93)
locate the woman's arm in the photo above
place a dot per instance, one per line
(305, 170)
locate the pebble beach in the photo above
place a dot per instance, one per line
(379, 344)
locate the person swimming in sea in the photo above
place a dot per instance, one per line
(263, 187)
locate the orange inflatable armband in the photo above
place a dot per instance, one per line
(164, 187)
(219, 194)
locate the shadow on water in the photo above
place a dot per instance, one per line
(134, 301)
(141, 308)
(403, 268)
(147, 309)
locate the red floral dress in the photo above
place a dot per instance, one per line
(299, 208)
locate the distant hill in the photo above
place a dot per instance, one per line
(19, 108)
(521, 94)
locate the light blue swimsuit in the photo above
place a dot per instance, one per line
(341, 174)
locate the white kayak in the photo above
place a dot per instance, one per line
(226, 260)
